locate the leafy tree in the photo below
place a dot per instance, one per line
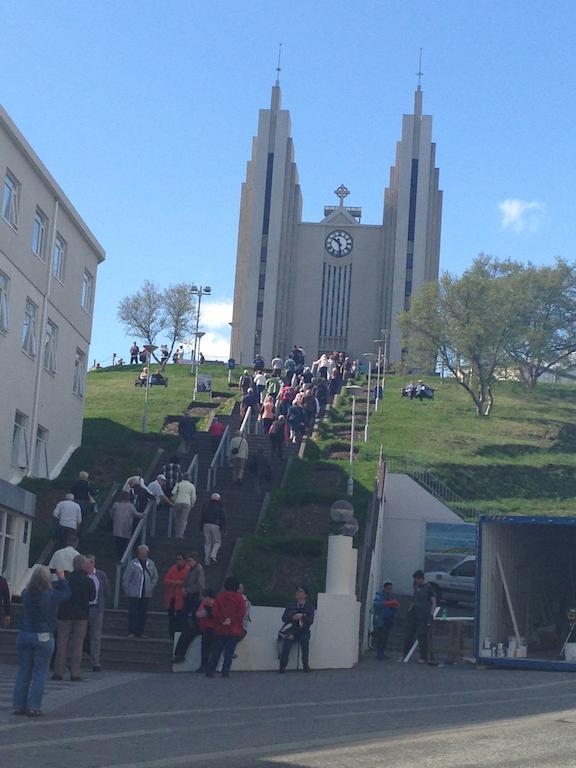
(464, 322)
(545, 308)
(149, 311)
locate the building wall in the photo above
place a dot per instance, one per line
(407, 509)
(45, 397)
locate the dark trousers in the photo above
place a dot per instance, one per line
(176, 620)
(417, 629)
(207, 643)
(137, 615)
(222, 644)
(121, 545)
(277, 447)
(381, 635)
(304, 640)
(189, 626)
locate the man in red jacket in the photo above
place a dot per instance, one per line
(227, 614)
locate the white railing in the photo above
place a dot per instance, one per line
(139, 531)
(191, 472)
(246, 426)
(218, 460)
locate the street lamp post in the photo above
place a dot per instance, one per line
(385, 335)
(379, 342)
(352, 390)
(150, 348)
(370, 356)
(199, 291)
(198, 339)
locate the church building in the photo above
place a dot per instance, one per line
(336, 284)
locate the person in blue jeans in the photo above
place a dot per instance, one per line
(35, 642)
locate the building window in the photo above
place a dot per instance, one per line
(11, 200)
(29, 343)
(7, 544)
(39, 235)
(41, 453)
(4, 286)
(79, 373)
(59, 258)
(87, 291)
(50, 341)
(19, 456)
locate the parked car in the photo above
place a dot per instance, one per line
(456, 586)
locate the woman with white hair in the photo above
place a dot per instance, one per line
(35, 642)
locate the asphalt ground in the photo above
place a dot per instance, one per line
(378, 714)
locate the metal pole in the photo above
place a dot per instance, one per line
(197, 343)
(145, 416)
(368, 402)
(350, 476)
(378, 377)
(385, 359)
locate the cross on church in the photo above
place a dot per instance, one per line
(342, 192)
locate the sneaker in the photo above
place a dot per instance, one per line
(76, 680)
(96, 668)
(421, 661)
(307, 668)
(225, 674)
(281, 670)
(57, 677)
(209, 674)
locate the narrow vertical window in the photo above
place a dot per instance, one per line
(59, 258)
(11, 200)
(39, 235)
(87, 291)
(29, 331)
(4, 286)
(50, 342)
(79, 373)
(41, 453)
(19, 455)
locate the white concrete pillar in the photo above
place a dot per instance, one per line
(341, 566)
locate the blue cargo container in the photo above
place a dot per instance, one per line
(526, 588)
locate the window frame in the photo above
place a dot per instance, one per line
(11, 213)
(20, 433)
(4, 307)
(60, 247)
(40, 216)
(87, 294)
(30, 347)
(78, 385)
(50, 347)
(41, 452)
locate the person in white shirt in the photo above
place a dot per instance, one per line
(131, 480)
(68, 517)
(156, 488)
(260, 383)
(184, 498)
(63, 559)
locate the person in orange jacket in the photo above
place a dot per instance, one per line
(174, 594)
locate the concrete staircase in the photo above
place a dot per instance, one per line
(243, 505)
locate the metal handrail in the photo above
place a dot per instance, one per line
(246, 422)
(140, 529)
(218, 459)
(192, 473)
(103, 508)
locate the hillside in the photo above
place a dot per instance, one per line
(520, 460)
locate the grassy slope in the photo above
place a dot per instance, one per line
(521, 460)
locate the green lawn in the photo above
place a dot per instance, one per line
(520, 460)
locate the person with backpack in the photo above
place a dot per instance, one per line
(299, 615)
(228, 613)
(245, 382)
(238, 456)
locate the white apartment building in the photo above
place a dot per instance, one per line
(48, 264)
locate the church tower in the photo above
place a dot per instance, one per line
(412, 221)
(270, 209)
(336, 283)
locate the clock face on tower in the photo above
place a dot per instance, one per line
(338, 243)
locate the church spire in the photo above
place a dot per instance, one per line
(275, 100)
(418, 92)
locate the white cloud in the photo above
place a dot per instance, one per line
(520, 215)
(215, 314)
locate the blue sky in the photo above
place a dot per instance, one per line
(144, 112)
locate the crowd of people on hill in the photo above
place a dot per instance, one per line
(291, 396)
